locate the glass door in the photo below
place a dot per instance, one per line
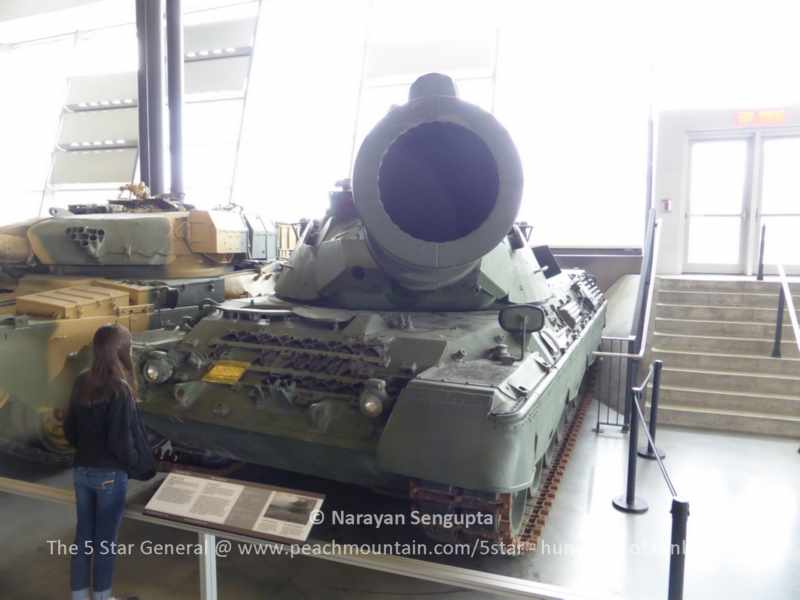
(779, 208)
(717, 215)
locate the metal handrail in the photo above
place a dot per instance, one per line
(648, 304)
(640, 388)
(785, 301)
(761, 244)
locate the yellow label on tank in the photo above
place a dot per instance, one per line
(226, 371)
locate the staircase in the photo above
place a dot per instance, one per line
(715, 338)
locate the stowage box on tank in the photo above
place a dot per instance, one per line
(414, 341)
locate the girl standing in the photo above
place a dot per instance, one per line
(103, 425)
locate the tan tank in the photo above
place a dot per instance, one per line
(142, 262)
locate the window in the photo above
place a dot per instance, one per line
(573, 82)
(29, 120)
(75, 123)
(301, 108)
(578, 118)
(780, 200)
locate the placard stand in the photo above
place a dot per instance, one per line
(208, 566)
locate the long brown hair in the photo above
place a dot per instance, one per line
(112, 363)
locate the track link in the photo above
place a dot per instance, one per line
(539, 506)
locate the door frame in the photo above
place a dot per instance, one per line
(747, 201)
(676, 130)
(761, 137)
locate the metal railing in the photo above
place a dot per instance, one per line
(627, 361)
(462, 578)
(630, 503)
(611, 382)
(785, 301)
(760, 276)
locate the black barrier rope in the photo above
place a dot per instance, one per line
(652, 444)
(652, 451)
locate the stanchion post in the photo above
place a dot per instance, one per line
(651, 451)
(776, 347)
(677, 550)
(628, 502)
(630, 381)
(208, 566)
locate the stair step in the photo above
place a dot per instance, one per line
(766, 404)
(749, 383)
(740, 329)
(728, 420)
(715, 336)
(694, 284)
(727, 362)
(721, 345)
(748, 299)
(720, 313)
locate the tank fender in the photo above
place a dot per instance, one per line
(444, 433)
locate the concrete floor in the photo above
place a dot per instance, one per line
(743, 541)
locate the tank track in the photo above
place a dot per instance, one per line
(456, 501)
(229, 470)
(33, 454)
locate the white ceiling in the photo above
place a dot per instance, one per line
(17, 9)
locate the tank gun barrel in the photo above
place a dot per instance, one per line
(438, 184)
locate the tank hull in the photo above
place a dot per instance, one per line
(467, 430)
(502, 461)
(347, 465)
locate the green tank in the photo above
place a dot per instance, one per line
(139, 261)
(415, 343)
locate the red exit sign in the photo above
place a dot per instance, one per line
(761, 117)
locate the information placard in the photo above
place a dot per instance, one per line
(272, 513)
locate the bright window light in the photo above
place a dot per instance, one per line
(574, 93)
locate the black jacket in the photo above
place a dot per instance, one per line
(103, 432)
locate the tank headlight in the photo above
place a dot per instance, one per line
(371, 406)
(373, 399)
(157, 370)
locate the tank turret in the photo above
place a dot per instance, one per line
(436, 189)
(142, 239)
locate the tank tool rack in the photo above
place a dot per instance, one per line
(467, 579)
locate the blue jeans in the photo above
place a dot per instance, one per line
(100, 495)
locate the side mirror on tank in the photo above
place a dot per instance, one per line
(522, 319)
